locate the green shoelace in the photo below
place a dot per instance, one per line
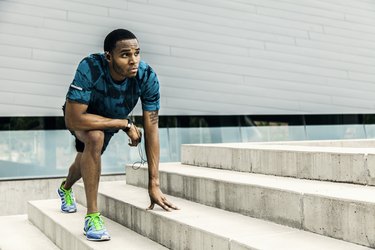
(96, 220)
(68, 196)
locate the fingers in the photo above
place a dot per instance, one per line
(170, 205)
(135, 137)
(133, 143)
(165, 207)
(139, 135)
(165, 204)
(151, 206)
(157, 197)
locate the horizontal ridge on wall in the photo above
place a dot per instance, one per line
(57, 122)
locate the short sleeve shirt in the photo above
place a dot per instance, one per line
(94, 86)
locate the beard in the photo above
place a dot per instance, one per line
(119, 70)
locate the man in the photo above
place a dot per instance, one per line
(105, 89)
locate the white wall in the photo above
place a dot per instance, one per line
(212, 56)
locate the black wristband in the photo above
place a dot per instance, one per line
(130, 123)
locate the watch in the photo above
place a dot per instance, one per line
(130, 123)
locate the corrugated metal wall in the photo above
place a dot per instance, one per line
(212, 56)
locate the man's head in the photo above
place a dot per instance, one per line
(122, 53)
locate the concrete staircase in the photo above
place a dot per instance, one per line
(306, 195)
(66, 230)
(16, 232)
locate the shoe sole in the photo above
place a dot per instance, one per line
(102, 239)
(68, 212)
(105, 239)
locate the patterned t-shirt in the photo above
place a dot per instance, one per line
(94, 86)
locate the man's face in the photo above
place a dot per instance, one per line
(124, 59)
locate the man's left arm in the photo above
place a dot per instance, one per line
(151, 129)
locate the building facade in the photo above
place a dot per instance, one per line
(222, 57)
(226, 68)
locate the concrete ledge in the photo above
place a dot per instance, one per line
(18, 233)
(342, 211)
(351, 143)
(16, 193)
(196, 226)
(339, 164)
(66, 230)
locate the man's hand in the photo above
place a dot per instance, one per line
(151, 128)
(135, 136)
(157, 197)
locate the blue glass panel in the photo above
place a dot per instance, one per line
(335, 132)
(49, 153)
(370, 131)
(272, 133)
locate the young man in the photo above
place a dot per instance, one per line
(105, 89)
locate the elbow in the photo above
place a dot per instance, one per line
(74, 115)
(70, 124)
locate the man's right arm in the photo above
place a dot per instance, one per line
(76, 118)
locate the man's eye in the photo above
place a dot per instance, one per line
(136, 53)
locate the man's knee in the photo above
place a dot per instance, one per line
(95, 137)
(92, 139)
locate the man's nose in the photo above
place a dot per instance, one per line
(134, 59)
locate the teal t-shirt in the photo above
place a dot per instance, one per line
(94, 86)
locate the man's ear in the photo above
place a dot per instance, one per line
(107, 56)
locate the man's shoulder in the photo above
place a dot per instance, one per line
(144, 70)
(92, 66)
(91, 61)
(142, 66)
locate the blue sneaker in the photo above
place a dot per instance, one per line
(68, 203)
(94, 228)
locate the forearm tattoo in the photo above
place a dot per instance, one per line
(154, 117)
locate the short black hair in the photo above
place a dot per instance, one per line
(117, 35)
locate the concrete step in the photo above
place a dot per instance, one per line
(66, 230)
(339, 210)
(339, 164)
(16, 232)
(197, 226)
(351, 143)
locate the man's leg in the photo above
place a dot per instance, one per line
(74, 172)
(90, 165)
(68, 204)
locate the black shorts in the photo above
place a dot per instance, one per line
(80, 146)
